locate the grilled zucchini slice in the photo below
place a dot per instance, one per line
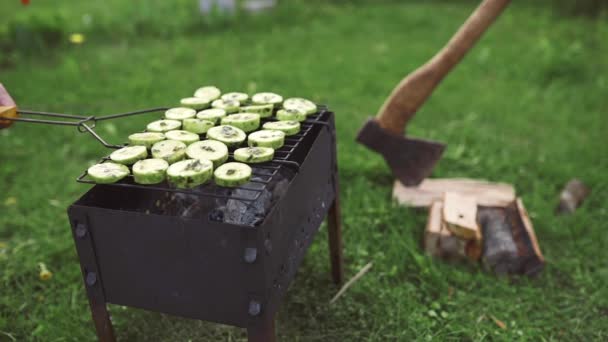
(170, 150)
(164, 125)
(146, 139)
(232, 174)
(303, 105)
(180, 113)
(196, 125)
(107, 173)
(213, 114)
(150, 171)
(287, 127)
(183, 136)
(190, 173)
(229, 135)
(254, 155)
(266, 138)
(209, 92)
(248, 122)
(129, 155)
(267, 98)
(197, 103)
(230, 106)
(291, 115)
(213, 150)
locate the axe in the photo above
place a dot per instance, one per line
(411, 160)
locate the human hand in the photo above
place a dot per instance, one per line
(7, 107)
(5, 98)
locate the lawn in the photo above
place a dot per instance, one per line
(528, 106)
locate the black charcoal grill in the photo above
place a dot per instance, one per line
(211, 253)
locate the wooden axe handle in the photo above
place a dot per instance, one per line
(413, 90)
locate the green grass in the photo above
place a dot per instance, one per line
(528, 106)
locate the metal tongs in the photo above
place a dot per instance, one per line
(83, 123)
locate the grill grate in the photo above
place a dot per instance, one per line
(262, 174)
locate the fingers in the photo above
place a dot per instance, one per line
(5, 98)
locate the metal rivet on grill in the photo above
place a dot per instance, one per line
(268, 246)
(250, 255)
(91, 278)
(81, 230)
(255, 308)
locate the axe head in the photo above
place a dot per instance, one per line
(411, 160)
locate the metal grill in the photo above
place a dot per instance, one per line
(262, 174)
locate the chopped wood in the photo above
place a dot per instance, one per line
(460, 215)
(451, 246)
(510, 245)
(499, 249)
(523, 214)
(572, 196)
(433, 230)
(439, 241)
(431, 190)
(349, 283)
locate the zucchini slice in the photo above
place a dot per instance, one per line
(230, 106)
(213, 150)
(197, 103)
(190, 173)
(232, 174)
(213, 114)
(164, 125)
(235, 96)
(254, 155)
(266, 138)
(287, 127)
(248, 122)
(129, 155)
(209, 92)
(267, 98)
(291, 115)
(229, 135)
(146, 139)
(150, 171)
(303, 105)
(107, 173)
(183, 136)
(180, 113)
(169, 150)
(196, 125)
(265, 111)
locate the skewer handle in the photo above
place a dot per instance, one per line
(7, 112)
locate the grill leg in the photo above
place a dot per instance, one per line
(264, 332)
(334, 225)
(101, 317)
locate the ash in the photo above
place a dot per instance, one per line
(253, 213)
(240, 211)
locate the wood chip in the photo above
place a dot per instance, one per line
(498, 322)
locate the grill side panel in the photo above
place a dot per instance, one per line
(295, 221)
(188, 268)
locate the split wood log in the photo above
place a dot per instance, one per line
(572, 196)
(460, 216)
(509, 242)
(430, 190)
(439, 241)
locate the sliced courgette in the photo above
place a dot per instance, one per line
(232, 174)
(107, 173)
(230, 106)
(213, 150)
(287, 127)
(266, 138)
(209, 92)
(129, 155)
(197, 103)
(254, 154)
(164, 125)
(267, 98)
(291, 115)
(150, 171)
(183, 136)
(235, 96)
(190, 173)
(265, 111)
(303, 105)
(248, 122)
(213, 114)
(229, 135)
(196, 125)
(146, 139)
(169, 150)
(180, 113)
